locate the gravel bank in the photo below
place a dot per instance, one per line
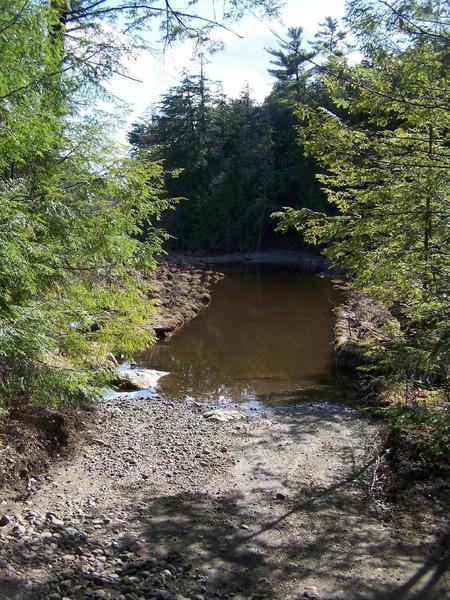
(31, 437)
(181, 290)
(300, 259)
(161, 503)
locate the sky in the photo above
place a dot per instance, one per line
(244, 60)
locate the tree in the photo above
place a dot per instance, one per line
(222, 148)
(291, 60)
(79, 221)
(239, 161)
(293, 176)
(330, 39)
(385, 163)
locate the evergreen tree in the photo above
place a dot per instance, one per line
(221, 147)
(79, 221)
(330, 39)
(291, 62)
(385, 169)
(293, 176)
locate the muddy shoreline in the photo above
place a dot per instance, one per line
(180, 290)
(146, 498)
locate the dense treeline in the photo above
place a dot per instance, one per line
(78, 219)
(236, 161)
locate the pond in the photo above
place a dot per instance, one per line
(266, 338)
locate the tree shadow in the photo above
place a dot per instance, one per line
(208, 533)
(248, 543)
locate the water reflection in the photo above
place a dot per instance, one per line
(266, 337)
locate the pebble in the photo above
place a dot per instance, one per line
(18, 530)
(54, 520)
(5, 520)
(84, 547)
(162, 595)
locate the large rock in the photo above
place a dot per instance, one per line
(164, 330)
(138, 379)
(5, 520)
(223, 415)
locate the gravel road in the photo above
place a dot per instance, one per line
(159, 502)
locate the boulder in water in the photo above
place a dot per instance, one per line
(138, 379)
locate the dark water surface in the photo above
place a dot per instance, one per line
(265, 339)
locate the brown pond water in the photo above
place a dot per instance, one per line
(265, 339)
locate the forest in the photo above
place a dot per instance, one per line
(180, 420)
(349, 149)
(235, 161)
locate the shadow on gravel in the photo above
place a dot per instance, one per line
(219, 538)
(201, 531)
(426, 583)
(245, 545)
(201, 540)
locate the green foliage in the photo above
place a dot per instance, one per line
(292, 63)
(72, 217)
(424, 418)
(385, 169)
(331, 39)
(79, 221)
(219, 150)
(236, 161)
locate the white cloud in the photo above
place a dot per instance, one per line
(235, 77)
(243, 60)
(308, 14)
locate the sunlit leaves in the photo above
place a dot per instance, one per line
(385, 166)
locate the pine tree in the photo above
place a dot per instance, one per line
(330, 39)
(291, 62)
(385, 164)
(79, 221)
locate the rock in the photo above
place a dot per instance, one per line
(18, 530)
(163, 331)
(99, 441)
(223, 415)
(54, 520)
(310, 595)
(205, 298)
(138, 379)
(280, 496)
(128, 542)
(4, 520)
(162, 595)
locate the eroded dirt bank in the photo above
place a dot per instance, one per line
(161, 503)
(181, 289)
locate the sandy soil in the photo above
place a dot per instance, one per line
(161, 503)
